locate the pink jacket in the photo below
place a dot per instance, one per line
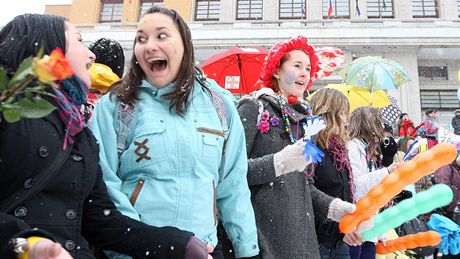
(450, 175)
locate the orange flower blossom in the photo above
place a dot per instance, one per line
(53, 67)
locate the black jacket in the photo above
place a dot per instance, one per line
(335, 184)
(456, 124)
(74, 207)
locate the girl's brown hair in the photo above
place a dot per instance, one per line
(125, 89)
(328, 103)
(366, 123)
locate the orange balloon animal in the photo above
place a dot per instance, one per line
(428, 238)
(392, 184)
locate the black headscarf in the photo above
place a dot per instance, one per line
(23, 36)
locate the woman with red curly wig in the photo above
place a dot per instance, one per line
(283, 196)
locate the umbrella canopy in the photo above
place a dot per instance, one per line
(236, 69)
(359, 97)
(391, 112)
(329, 59)
(374, 73)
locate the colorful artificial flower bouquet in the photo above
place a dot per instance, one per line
(19, 99)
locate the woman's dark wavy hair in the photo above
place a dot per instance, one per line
(125, 90)
(23, 36)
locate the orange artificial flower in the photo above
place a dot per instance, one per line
(53, 67)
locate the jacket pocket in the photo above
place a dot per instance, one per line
(211, 142)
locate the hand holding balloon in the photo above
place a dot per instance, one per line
(408, 173)
(429, 238)
(437, 196)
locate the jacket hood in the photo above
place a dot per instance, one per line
(102, 77)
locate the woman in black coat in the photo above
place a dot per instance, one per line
(73, 207)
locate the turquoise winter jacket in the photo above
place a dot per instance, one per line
(172, 169)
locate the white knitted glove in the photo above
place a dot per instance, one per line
(290, 159)
(313, 125)
(365, 225)
(339, 208)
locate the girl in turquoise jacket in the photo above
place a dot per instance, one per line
(179, 163)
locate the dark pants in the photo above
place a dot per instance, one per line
(217, 253)
(341, 251)
(364, 251)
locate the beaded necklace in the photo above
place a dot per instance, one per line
(284, 115)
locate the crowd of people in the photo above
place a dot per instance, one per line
(159, 162)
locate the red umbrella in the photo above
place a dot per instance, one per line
(236, 69)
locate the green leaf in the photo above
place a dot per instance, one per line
(35, 107)
(3, 79)
(11, 115)
(24, 69)
(28, 94)
(9, 106)
(41, 51)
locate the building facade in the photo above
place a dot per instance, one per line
(421, 35)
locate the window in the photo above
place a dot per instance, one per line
(424, 8)
(146, 4)
(207, 10)
(338, 8)
(111, 11)
(458, 7)
(249, 10)
(433, 73)
(292, 9)
(439, 99)
(380, 9)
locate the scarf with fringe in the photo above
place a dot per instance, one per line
(69, 96)
(339, 154)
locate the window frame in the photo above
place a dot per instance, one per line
(423, 2)
(141, 11)
(250, 10)
(458, 7)
(294, 5)
(432, 72)
(436, 99)
(207, 10)
(380, 9)
(325, 8)
(114, 3)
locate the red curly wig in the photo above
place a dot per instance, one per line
(276, 54)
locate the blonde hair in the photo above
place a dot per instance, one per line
(366, 123)
(328, 103)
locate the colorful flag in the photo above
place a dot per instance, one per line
(302, 2)
(329, 11)
(357, 8)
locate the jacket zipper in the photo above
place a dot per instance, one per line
(215, 203)
(211, 131)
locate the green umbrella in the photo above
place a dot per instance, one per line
(374, 73)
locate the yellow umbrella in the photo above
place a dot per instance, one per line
(359, 97)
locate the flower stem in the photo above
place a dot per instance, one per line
(17, 88)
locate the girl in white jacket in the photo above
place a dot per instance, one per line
(365, 131)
